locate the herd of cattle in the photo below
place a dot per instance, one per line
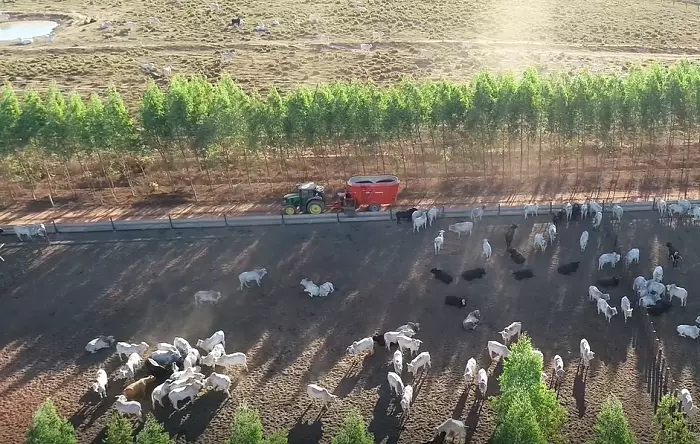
(178, 365)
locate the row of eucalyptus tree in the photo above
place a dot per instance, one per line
(219, 133)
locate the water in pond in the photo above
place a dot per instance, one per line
(25, 29)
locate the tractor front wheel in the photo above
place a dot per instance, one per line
(290, 210)
(374, 207)
(314, 207)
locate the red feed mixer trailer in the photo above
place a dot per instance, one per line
(368, 191)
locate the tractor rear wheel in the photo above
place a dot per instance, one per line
(374, 207)
(289, 210)
(314, 207)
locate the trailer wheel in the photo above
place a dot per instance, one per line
(374, 207)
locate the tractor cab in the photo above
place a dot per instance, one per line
(307, 199)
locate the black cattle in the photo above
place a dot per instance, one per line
(442, 275)
(575, 211)
(558, 217)
(157, 370)
(404, 215)
(568, 269)
(659, 308)
(475, 273)
(673, 254)
(523, 274)
(379, 340)
(517, 256)
(236, 22)
(510, 235)
(455, 301)
(608, 282)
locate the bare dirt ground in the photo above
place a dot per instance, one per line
(141, 289)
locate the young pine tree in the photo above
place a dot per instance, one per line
(611, 425)
(49, 428)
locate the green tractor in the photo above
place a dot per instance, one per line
(308, 199)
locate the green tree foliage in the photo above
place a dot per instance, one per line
(671, 425)
(247, 429)
(522, 377)
(119, 430)
(49, 428)
(519, 425)
(353, 431)
(153, 432)
(611, 425)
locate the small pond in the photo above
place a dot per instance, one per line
(25, 29)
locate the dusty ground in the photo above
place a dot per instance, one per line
(141, 289)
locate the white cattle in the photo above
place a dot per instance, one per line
(595, 207)
(193, 356)
(361, 346)
(439, 241)
(420, 361)
(679, 292)
(416, 214)
(483, 383)
(674, 209)
(558, 365)
(408, 343)
(656, 289)
(218, 382)
(252, 276)
(626, 308)
(420, 222)
(685, 204)
(606, 309)
(310, 288)
(397, 360)
(182, 345)
(188, 391)
(208, 344)
(632, 256)
(99, 343)
(100, 386)
(597, 219)
(233, 359)
(390, 336)
(126, 349)
(325, 289)
(568, 209)
(210, 359)
(531, 209)
(432, 215)
(207, 296)
(470, 370)
(315, 391)
(478, 213)
(30, 231)
(497, 350)
(688, 331)
(695, 213)
(661, 207)
(395, 383)
(510, 331)
(127, 407)
(540, 242)
(639, 284)
(453, 429)
(658, 274)
(461, 227)
(687, 403)
(594, 294)
(617, 212)
(647, 300)
(486, 247)
(586, 354)
(608, 258)
(129, 369)
(158, 393)
(584, 210)
(407, 398)
(165, 347)
(583, 241)
(551, 232)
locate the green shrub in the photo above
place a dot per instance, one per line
(353, 431)
(153, 432)
(247, 428)
(611, 425)
(49, 428)
(522, 374)
(518, 425)
(276, 438)
(119, 430)
(672, 428)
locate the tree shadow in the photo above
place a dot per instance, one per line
(305, 433)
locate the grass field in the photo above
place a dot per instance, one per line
(142, 290)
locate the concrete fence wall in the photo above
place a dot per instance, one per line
(300, 219)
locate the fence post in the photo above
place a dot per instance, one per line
(171, 222)
(337, 215)
(112, 222)
(443, 211)
(550, 207)
(225, 220)
(55, 229)
(391, 214)
(282, 218)
(499, 209)
(653, 204)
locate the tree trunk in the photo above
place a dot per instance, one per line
(69, 179)
(48, 176)
(187, 169)
(108, 176)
